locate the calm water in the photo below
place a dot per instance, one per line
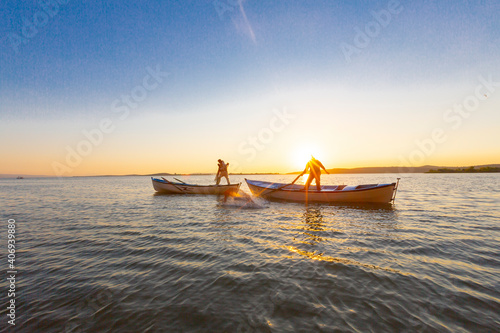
(107, 255)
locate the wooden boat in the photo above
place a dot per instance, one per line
(369, 193)
(166, 186)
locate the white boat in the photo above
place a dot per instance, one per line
(369, 193)
(166, 186)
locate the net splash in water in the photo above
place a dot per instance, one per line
(240, 199)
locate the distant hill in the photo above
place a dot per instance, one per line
(7, 175)
(393, 169)
(488, 166)
(471, 169)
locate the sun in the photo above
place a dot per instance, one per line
(300, 158)
(303, 179)
(302, 154)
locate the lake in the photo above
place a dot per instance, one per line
(107, 254)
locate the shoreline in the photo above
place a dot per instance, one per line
(432, 169)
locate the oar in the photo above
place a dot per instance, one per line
(395, 191)
(169, 182)
(281, 187)
(179, 180)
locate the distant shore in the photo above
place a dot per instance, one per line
(465, 170)
(406, 169)
(393, 169)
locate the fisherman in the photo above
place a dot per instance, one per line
(221, 172)
(315, 167)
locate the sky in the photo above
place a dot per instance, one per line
(97, 87)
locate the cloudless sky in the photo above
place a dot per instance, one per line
(260, 84)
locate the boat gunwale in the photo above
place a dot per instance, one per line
(192, 185)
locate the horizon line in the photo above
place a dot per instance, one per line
(10, 175)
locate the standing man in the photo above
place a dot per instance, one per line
(315, 167)
(221, 172)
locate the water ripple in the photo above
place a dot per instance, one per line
(114, 257)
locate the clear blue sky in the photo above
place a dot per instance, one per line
(230, 64)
